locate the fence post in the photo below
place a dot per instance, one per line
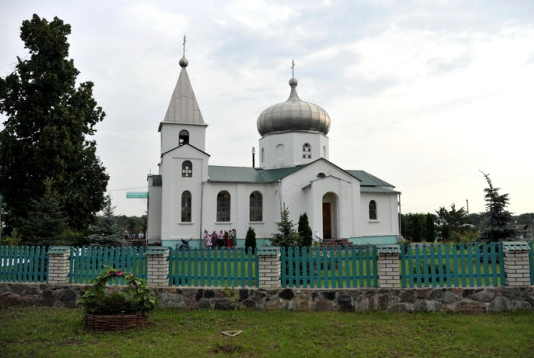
(269, 267)
(157, 266)
(388, 266)
(58, 264)
(516, 263)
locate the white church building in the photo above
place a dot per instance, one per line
(189, 195)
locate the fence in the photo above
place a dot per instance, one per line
(23, 264)
(213, 268)
(452, 265)
(329, 267)
(422, 265)
(87, 262)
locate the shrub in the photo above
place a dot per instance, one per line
(135, 299)
(250, 240)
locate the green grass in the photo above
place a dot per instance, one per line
(59, 332)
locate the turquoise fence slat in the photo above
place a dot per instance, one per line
(86, 263)
(329, 267)
(23, 264)
(213, 268)
(531, 261)
(452, 265)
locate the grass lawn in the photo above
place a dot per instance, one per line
(59, 332)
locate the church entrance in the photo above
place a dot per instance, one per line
(329, 215)
(327, 221)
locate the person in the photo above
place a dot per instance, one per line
(317, 238)
(231, 239)
(220, 239)
(214, 237)
(234, 238)
(207, 238)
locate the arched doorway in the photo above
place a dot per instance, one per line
(329, 215)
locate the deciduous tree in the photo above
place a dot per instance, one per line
(47, 132)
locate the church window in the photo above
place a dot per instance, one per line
(223, 206)
(256, 206)
(187, 169)
(186, 207)
(183, 137)
(321, 175)
(372, 210)
(306, 151)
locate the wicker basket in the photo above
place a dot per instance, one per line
(114, 322)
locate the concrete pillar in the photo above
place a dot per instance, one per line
(157, 266)
(269, 267)
(516, 263)
(58, 264)
(388, 266)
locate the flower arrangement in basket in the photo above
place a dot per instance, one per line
(117, 309)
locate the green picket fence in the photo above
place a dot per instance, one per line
(86, 263)
(452, 265)
(213, 268)
(329, 267)
(23, 264)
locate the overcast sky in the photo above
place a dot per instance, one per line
(423, 94)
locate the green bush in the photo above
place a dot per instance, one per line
(250, 240)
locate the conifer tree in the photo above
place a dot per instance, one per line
(286, 236)
(106, 231)
(305, 231)
(250, 240)
(46, 221)
(496, 223)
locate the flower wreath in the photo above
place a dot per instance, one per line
(136, 298)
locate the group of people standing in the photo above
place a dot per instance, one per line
(221, 239)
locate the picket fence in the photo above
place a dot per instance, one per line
(422, 265)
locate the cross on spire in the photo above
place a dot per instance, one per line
(293, 68)
(184, 45)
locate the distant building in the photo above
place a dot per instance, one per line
(189, 195)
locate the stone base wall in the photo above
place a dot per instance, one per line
(468, 300)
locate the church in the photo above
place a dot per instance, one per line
(189, 195)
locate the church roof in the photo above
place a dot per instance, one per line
(257, 175)
(183, 107)
(293, 115)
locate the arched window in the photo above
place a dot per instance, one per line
(186, 207)
(223, 206)
(306, 151)
(256, 206)
(372, 210)
(321, 175)
(183, 137)
(187, 169)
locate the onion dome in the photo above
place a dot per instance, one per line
(293, 115)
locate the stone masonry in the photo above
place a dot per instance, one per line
(158, 266)
(516, 266)
(58, 269)
(269, 268)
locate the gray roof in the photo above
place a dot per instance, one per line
(183, 107)
(368, 182)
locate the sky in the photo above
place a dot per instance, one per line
(424, 94)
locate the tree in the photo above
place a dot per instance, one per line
(46, 222)
(286, 236)
(106, 232)
(496, 224)
(451, 223)
(46, 134)
(305, 231)
(250, 240)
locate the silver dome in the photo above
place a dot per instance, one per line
(293, 115)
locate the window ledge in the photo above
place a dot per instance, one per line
(373, 221)
(185, 223)
(256, 222)
(223, 223)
